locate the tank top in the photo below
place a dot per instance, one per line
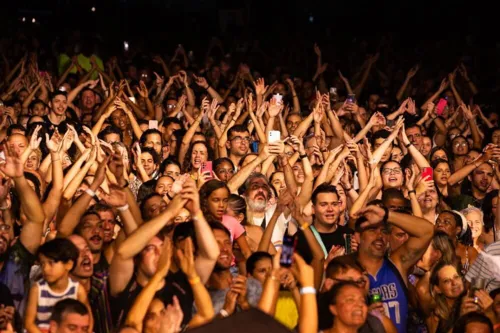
(47, 298)
(389, 284)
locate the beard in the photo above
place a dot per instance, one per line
(257, 205)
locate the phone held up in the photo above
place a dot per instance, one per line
(287, 250)
(273, 136)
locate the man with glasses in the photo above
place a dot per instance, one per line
(326, 208)
(414, 134)
(238, 143)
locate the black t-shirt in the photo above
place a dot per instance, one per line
(51, 127)
(329, 240)
(177, 284)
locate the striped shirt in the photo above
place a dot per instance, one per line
(47, 298)
(482, 267)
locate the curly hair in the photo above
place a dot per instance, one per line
(187, 165)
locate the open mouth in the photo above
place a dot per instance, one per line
(96, 239)
(86, 264)
(379, 245)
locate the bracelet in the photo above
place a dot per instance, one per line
(408, 145)
(303, 156)
(123, 208)
(304, 226)
(206, 89)
(308, 291)
(90, 192)
(223, 313)
(194, 280)
(274, 278)
(169, 197)
(412, 191)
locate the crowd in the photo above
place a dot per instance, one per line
(161, 195)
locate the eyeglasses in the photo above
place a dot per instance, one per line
(171, 106)
(396, 171)
(458, 144)
(361, 282)
(239, 139)
(4, 227)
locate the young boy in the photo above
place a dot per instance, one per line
(57, 258)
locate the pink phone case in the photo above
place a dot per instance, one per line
(440, 106)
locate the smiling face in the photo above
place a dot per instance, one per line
(350, 307)
(450, 282)
(475, 222)
(327, 208)
(298, 172)
(226, 250)
(278, 182)
(59, 105)
(148, 163)
(119, 119)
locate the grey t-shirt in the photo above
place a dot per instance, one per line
(254, 291)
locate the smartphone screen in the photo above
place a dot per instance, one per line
(351, 98)
(287, 251)
(427, 173)
(273, 136)
(278, 98)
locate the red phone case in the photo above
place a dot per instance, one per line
(427, 173)
(440, 106)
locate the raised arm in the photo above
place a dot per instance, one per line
(208, 250)
(144, 93)
(411, 73)
(471, 119)
(308, 309)
(370, 62)
(74, 93)
(419, 159)
(186, 139)
(202, 82)
(31, 233)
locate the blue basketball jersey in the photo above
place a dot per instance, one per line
(389, 284)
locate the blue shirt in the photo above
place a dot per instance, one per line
(389, 284)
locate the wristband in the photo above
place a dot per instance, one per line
(169, 197)
(412, 191)
(303, 156)
(223, 313)
(90, 192)
(194, 280)
(408, 145)
(123, 208)
(304, 226)
(126, 185)
(274, 278)
(308, 291)
(347, 189)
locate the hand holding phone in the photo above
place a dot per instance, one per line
(427, 173)
(287, 251)
(206, 167)
(273, 136)
(440, 106)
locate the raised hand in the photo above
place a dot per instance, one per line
(274, 108)
(444, 84)
(302, 271)
(12, 166)
(53, 144)
(35, 140)
(116, 197)
(373, 214)
(185, 258)
(171, 320)
(159, 80)
(201, 81)
(92, 83)
(342, 77)
(411, 73)
(143, 90)
(317, 50)
(260, 87)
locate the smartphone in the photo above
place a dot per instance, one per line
(125, 46)
(206, 167)
(273, 136)
(132, 99)
(348, 242)
(351, 98)
(62, 88)
(427, 173)
(153, 124)
(287, 250)
(440, 106)
(278, 98)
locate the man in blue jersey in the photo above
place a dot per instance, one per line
(389, 275)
